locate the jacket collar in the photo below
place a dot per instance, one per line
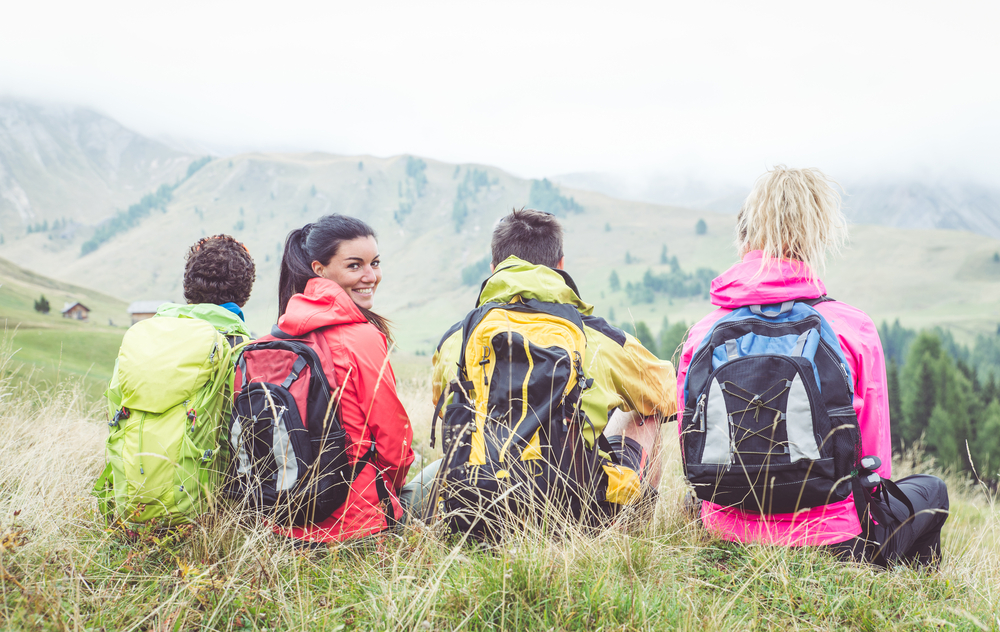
(756, 281)
(516, 277)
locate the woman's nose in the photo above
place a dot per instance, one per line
(369, 274)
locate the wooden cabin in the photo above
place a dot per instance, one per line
(76, 311)
(141, 310)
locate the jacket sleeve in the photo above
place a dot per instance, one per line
(645, 382)
(871, 393)
(445, 364)
(384, 414)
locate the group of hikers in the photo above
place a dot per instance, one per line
(549, 415)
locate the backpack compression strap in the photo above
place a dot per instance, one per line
(384, 497)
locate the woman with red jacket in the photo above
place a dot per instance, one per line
(329, 274)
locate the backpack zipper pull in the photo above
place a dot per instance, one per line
(484, 362)
(699, 412)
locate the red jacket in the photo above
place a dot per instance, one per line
(369, 406)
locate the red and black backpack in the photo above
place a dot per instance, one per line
(289, 447)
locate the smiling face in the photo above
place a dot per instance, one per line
(355, 268)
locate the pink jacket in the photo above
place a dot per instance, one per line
(747, 284)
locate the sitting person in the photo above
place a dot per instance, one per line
(330, 272)
(171, 394)
(816, 445)
(555, 397)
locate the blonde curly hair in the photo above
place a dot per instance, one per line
(792, 214)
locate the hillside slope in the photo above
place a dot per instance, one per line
(73, 164)
(434, 220)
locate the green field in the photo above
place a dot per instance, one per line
(49, 350)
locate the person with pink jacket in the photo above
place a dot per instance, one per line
(789, 221)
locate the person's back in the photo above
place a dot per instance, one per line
(788, 222)
(171, 391)
(537, 391)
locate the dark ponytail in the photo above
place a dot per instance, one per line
(320, 241)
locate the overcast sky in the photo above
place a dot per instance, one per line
(716, 89)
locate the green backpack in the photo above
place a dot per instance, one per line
(168, 401)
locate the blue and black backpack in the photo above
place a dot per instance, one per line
(769, 424)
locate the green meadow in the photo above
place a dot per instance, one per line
(49, 350)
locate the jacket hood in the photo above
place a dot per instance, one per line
(323, 303)
(222, 319)
(515, 277)
(753, 282)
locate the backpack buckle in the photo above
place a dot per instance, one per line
(192, 416)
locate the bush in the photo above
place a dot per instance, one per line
(42, 305)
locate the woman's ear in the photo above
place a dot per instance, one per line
(318, 269)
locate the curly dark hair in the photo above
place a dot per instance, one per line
(219, 270)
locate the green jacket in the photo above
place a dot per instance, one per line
(626, 375)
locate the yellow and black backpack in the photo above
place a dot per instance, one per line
(514, 450)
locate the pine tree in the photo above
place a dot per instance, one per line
(42, 305)
(614, 282)
(919, 388)
(672, 339)
(645, 336)
(895, 397)
(987, 444)
(663, 255)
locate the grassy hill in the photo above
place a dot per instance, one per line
(434, 220)
(49, 349)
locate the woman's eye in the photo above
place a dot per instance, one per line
(375, 264)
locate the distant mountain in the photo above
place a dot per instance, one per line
(912, 203)
(434, 222)
(917, 204)
(73, 165)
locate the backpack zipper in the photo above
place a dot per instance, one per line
(142, 421)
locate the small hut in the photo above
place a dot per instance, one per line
(76, 311)
(141, 310)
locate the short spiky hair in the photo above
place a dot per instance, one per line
(219, 270)
(531, 235)
(792, 214)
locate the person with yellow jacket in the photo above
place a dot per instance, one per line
(629, 390)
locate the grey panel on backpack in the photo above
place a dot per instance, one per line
(799, 423)
(284, 456)
(718, 441)
(242, 458)
(732, 349)
(800, 344)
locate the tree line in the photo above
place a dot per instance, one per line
(945, 395)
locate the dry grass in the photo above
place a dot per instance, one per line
(62, 569)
